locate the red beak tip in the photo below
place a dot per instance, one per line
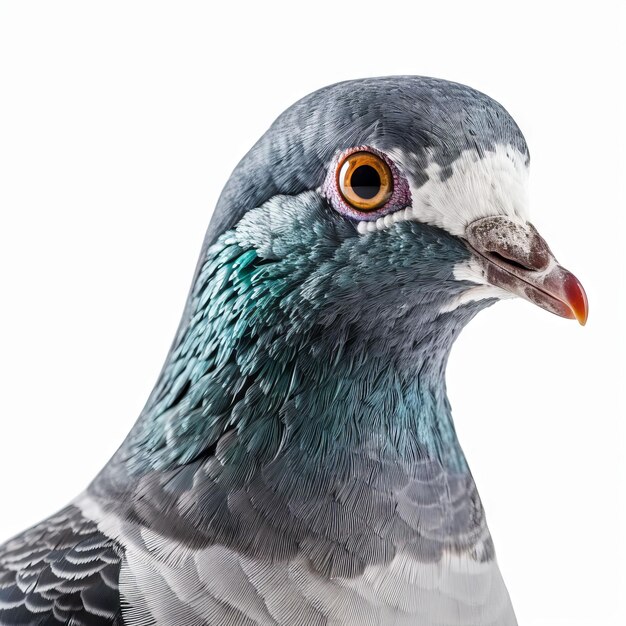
(577, 299)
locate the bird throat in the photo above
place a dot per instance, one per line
(254, 374)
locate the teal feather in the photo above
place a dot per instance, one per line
(287, 348)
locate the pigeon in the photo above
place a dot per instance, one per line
(297, 463)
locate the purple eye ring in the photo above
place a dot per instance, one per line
(364, 184)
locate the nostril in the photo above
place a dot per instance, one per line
(506, 261)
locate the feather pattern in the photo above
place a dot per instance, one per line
(61, 571)
(297, 463)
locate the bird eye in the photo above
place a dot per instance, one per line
(364, 184)
(364, 180)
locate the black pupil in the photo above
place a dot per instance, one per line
(365, 182)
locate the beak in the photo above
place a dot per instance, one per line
(516, 258)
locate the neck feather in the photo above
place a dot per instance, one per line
(253, 360)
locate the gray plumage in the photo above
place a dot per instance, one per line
(296, 463)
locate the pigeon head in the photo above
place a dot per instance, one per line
(348, 249)
(383, 160)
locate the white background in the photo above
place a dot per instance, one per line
(121, 121)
